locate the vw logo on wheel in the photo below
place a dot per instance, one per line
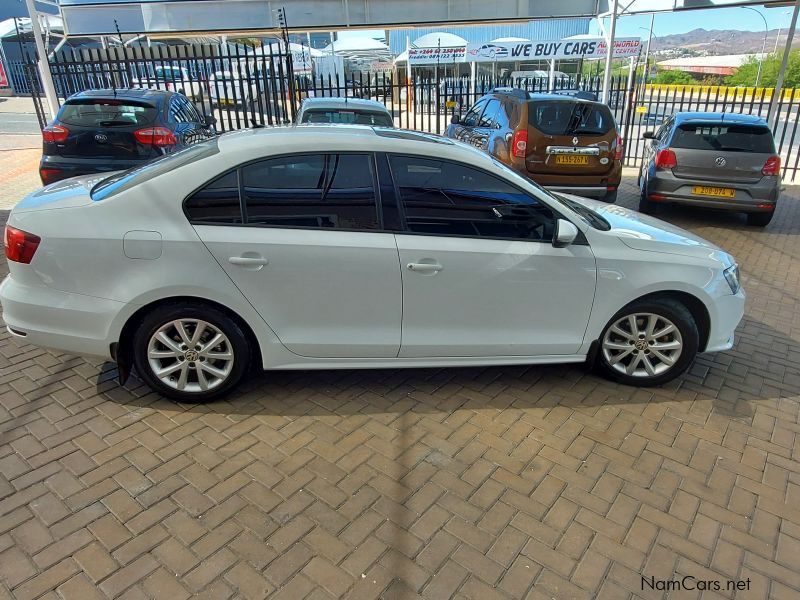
(100, 138)
(720, 161)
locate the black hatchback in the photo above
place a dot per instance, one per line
(99, 131)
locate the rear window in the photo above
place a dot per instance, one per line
(724, 138)
(114, 184)
(348, 117)
(562, 117)
(107, 113)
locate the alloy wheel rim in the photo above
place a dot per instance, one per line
(190, 355)
(642, 345)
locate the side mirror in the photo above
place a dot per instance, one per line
(210, 120)
(565, 234)
(649, 135)
(455, 119)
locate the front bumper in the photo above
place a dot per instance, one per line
(64, 321)
(729, 312)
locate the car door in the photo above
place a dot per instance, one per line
(480, 274)
(312, 257)
(463, 131)
(486, 125)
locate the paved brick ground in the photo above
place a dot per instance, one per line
(474, 483)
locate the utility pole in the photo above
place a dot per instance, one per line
(44, 65)
(610, 50)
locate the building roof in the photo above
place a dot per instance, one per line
(726, 64)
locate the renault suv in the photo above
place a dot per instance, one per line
(564, 143)
(716, 160)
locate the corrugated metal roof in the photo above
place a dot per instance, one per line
(551, 29)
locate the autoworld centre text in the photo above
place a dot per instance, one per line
(583, 47)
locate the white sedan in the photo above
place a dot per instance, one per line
(323, 247)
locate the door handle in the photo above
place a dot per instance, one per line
(424, 267)
(248, 261)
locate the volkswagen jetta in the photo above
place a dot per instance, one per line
(319, 247)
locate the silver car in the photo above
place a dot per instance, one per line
(714, 160)
(344, 111)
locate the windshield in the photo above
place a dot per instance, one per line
(348, 117)
(562, 117)
(724, 138)
(114, 184)
(97, 112)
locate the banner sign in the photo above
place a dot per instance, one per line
(432, 56)
(558, 49)
(3, 78)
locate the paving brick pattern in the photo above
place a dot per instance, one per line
(540, 482)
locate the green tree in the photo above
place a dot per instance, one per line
(746, 74)
(674, 77)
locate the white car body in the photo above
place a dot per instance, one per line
(347, 299)
(173, 79)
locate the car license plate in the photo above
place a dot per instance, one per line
(571, 159)
(717, 192)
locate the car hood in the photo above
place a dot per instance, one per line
(643, 232)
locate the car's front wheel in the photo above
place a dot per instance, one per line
(190, 353)
(649, 342)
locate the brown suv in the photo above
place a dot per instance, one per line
(561, 142)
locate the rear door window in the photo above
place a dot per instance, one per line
(563, 117)
(724, 138)
(107, 113)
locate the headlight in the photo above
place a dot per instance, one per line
(732, 277)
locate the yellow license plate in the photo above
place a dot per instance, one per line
(717, 192)
(571, 159)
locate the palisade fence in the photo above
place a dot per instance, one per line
(253, 87)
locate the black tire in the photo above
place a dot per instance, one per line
(162, 316)
(647, 206)
(760, 219)
(610, 197)
(664, 309)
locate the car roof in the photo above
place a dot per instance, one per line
(146, 95)
(353, 138)
(705, 117)
(341, 103)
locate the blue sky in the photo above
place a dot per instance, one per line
(668, 23)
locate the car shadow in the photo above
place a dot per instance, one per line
(758, 368)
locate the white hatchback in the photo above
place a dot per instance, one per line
(323, 247)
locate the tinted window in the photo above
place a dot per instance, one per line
(488, 116)
(724, 138)
(106, 113)
(349, 117)
(124, 180)
(217, 202)
(450, 199)
(329, 191)
(560, 117)
(474, 114)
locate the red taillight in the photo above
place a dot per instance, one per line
(772, 166)
(20, 245)
(155, 136)
(619, 148)
(666, 159)
(519, 143)
(55, 133)
(49, 175)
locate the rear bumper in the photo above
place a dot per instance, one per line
(750, 197)
(64, 321)
(592, 186)
(64, 168)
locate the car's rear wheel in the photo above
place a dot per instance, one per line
(190, 353)
(646, 206)
(648, 343)
(610, 197)
(760, 219)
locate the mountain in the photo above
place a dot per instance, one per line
(703, 42)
